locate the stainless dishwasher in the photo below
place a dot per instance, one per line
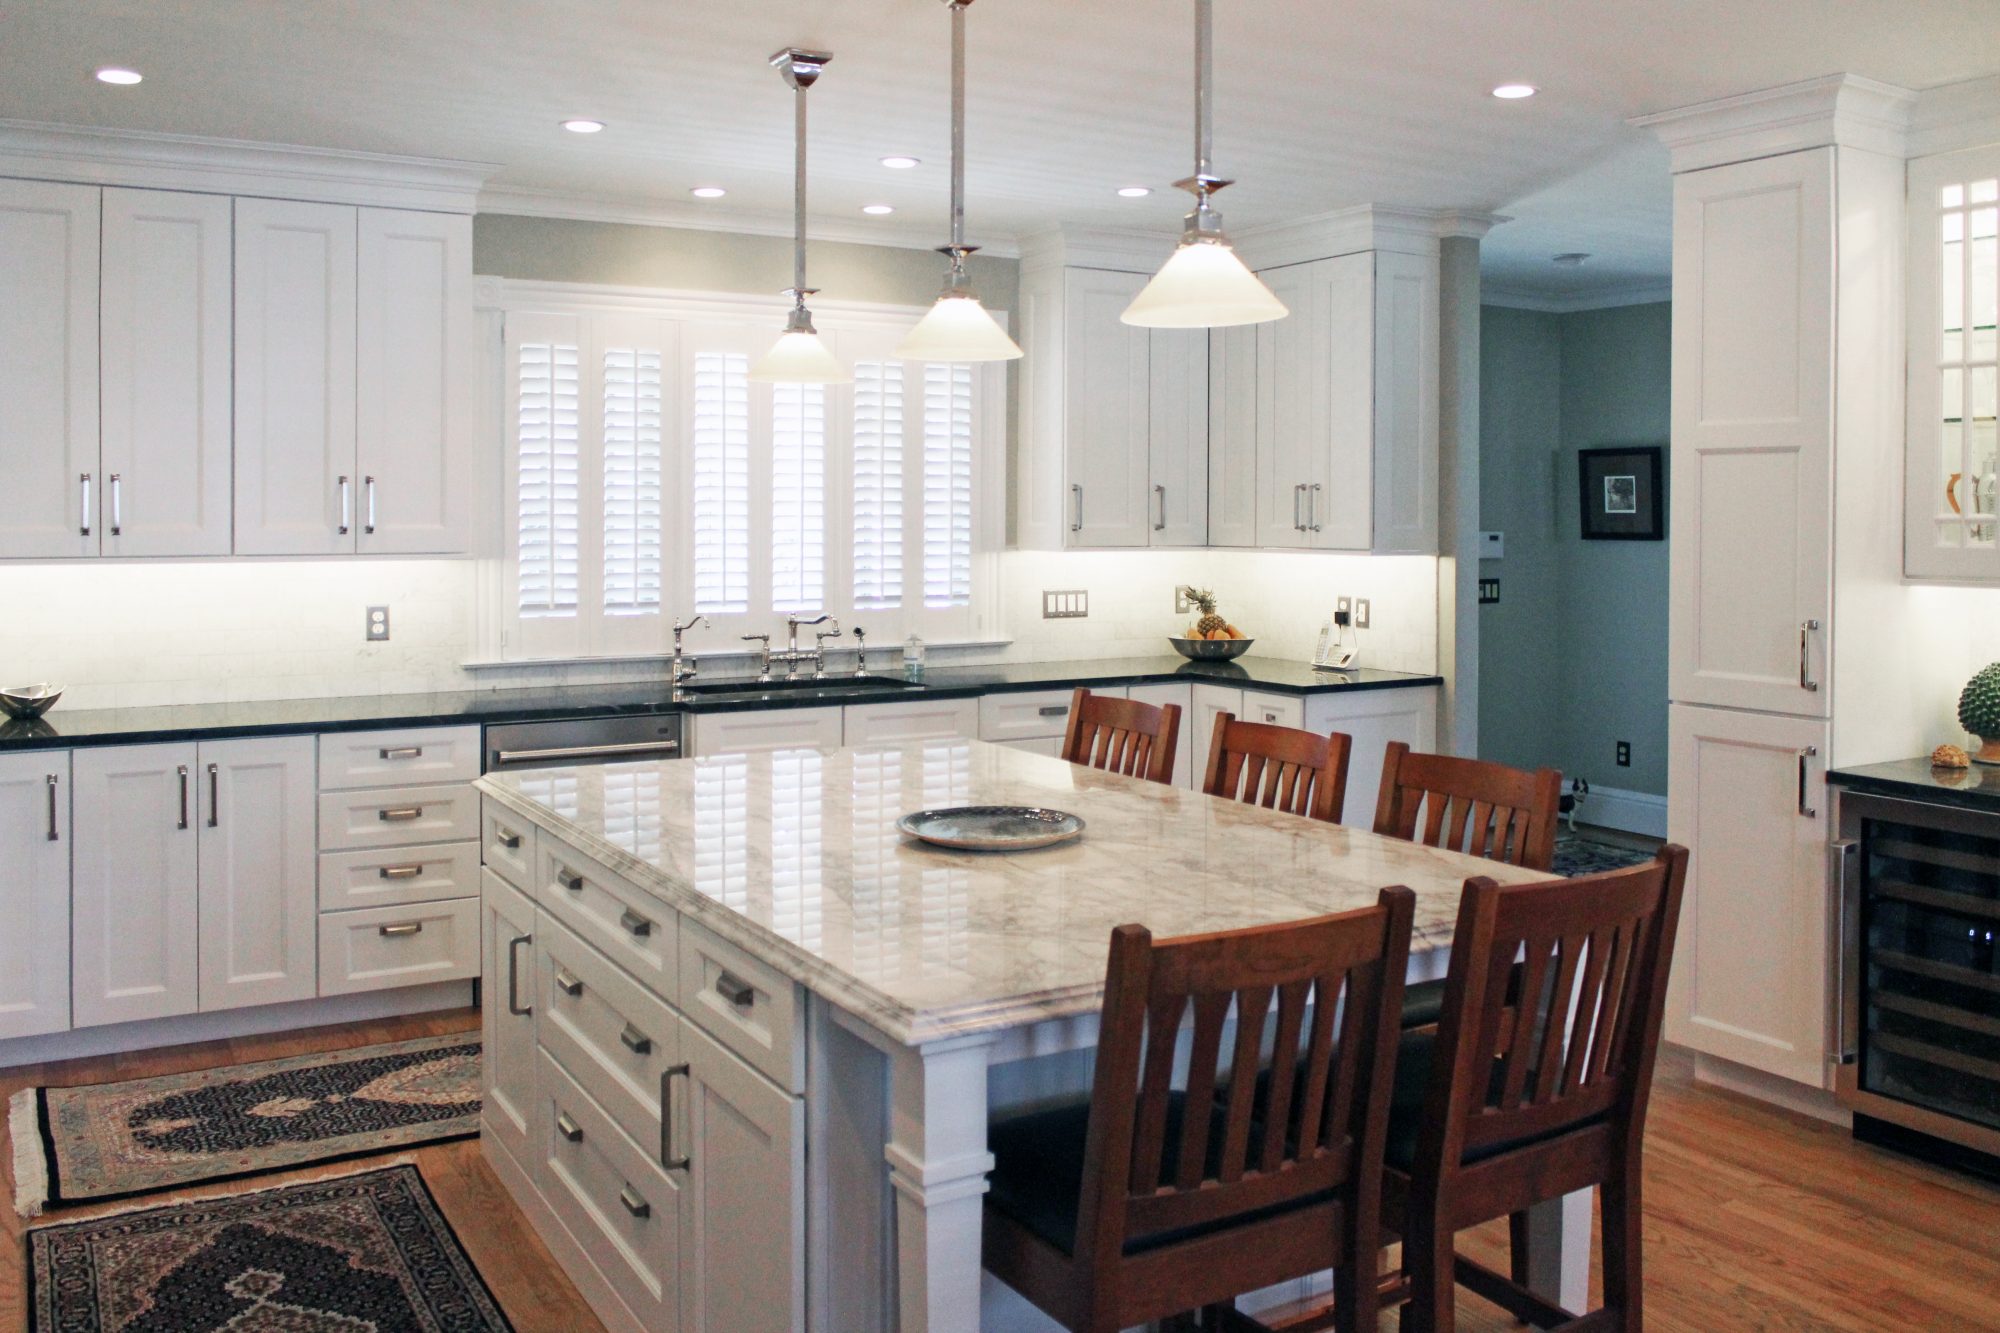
(583, 740)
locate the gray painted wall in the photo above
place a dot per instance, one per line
(1574, 659)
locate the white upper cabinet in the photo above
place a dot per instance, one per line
(1106, 452)
(413, 382)
(1752, 480)
(165, 393)
(1293, 391)
(1232, 436)
(1177, 436)
(1405, 419)
(296, 486)
(48, 369)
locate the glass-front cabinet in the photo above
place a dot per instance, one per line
(1952, 523)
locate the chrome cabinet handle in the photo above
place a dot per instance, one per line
(83, 529)
(667, 1158)
(568, 1128)
(1805, 755)
(183, 771)
(638, 925)
(54, 836)
(368, 484)
(507, 837)
(1160, 498)
(117, 504)
(1846, 931)
(626, 749)
(636, 1041)
(1299, 507)
(1054, 710)
(1076, 495)
(1806, 682)
(400, 872)
(568, 984)
(346, 507)
(400, 814)
(735, 990)
(402, 752)
(398, 931)
(1312, 508)
(570, 880)
(514, 1005)
(214, 797)
(634, 1205)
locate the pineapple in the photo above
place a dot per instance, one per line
(1209, 622)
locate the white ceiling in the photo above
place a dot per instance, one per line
(1320, 104)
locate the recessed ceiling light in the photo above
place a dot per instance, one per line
(124, 78)
(898, 162)
(1573, 259)
(708, 192)
(1134, 191)
(583, 126)
(1514, 92)
(878, 210)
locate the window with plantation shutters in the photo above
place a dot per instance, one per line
(878, 485)
(798, 497)
(546, 522)
(721, 414)
(632, 498)
(948, 427)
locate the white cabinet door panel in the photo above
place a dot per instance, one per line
(1232, 436)
(48, 368)
(296, 487)
(259, 903)
(777, 729)
(413, 405)
(377, 948)
(1749, 980)
(1185, 773)
(1339, 447)
(1752, 486)
(166, 373)
(34, 893)
(1209, 700)
(1106, 387)
(1372, 719)
(134, 888)
(1178, 431)
(1405, 404)
(1293, 405)
(507, 1016)
(910, 720)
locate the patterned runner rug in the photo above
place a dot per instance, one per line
(108, 1140)
(363, 1253)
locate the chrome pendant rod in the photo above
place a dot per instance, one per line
(1204, 86)
(800, 70)
(958, 8)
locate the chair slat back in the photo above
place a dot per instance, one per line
(1122, 736)
(1178, 1133)
(1470, 805)
(1570, 1034)
(1279, 768)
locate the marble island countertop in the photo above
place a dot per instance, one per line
(795, 856)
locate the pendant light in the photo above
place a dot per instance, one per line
(958, 328)
(799, 356)
(1203, 284)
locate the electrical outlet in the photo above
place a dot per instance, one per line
(1070, 605)
(378, 624)
(1489, 592)
(1346, 604)
(1361, 613)
(1624, 754)
(1182, 602)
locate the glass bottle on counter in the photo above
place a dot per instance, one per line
(913, 658)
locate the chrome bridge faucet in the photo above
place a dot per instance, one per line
(683, 670)
(791, 657)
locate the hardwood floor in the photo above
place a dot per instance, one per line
(1756, 1218)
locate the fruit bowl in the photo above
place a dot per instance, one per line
(1210, 650)
(28, 701)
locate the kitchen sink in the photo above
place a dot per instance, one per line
(723, 689)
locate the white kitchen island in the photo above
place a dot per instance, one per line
(744, 1039)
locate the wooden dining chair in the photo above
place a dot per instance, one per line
(1172, 1189)
(1530, 1089)
(1279, 768)
(1465, 805)
(1122, 736)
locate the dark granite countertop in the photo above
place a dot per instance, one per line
(1975, 788)
(127, 726)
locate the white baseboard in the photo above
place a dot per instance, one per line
(1628, 811)
(184, 1028)
(1819, 1103)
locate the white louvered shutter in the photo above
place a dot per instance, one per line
(878, 485)
(721, 415)
(948, 421)
(548, 486)
(798, 497)
(632, 477)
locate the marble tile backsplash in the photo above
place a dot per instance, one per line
(135, 634)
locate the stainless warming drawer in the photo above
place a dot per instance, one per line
(587, 740)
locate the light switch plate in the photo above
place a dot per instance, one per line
(1182, 602)
(1492, 545)
(1361, 613)
(378, 624)
(1071, 604)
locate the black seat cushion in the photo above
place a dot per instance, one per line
(1414, 1056)
(1423, 1003)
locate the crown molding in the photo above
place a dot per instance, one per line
(1843, 109)
(1568, 303)
(1120, 249)
(147, 160)
(1459, 222)
(538, 203)
(1345, 231)
(1956, 116)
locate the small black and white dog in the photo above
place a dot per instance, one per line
(1573, 799)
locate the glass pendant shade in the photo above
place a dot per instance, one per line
(1203, 285)
(958, 328)
(799, 357)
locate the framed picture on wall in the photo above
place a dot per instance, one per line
(1622, 495)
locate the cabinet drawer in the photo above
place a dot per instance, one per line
(507, 844)
(750, 1006)
(1026, 715)
(1277, 710)
(397, 817)
(390, 877)
(632, 928)
(616, 1039)
(621, 1208)
(398, 758)
(380, 947)
(911, 720)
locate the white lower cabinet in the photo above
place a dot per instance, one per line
(377, 948)
(919, 719)
(134, 887)
(774, 729)
(34, 893)
(1370, 718)
(1172, 692)
(507, 1016)
(1746, 791)
(256, 854)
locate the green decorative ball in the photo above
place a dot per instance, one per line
(1979, 705)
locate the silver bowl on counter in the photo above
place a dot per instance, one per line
(1210, 650)
(28, 701)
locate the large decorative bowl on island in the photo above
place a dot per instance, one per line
(1210, 650)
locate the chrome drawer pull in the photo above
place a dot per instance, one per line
(182, 770)
(1805, 755)
(346, 507)
(739, 993)
(638, 925)
(400, 872)
(568, 1128)
(1054, 710)
(117, 505)
(400, 815)
(514, 1005)
(406, 928)
(83, 529)
(54, 835)
(634, 1205)
(570, 880)
(636, 1041)
(568, 984)
(1806, 682)
(627, 750)
(368, 484)
(667, 1158)
(214, 796)
(403, 752)
(508, 838)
